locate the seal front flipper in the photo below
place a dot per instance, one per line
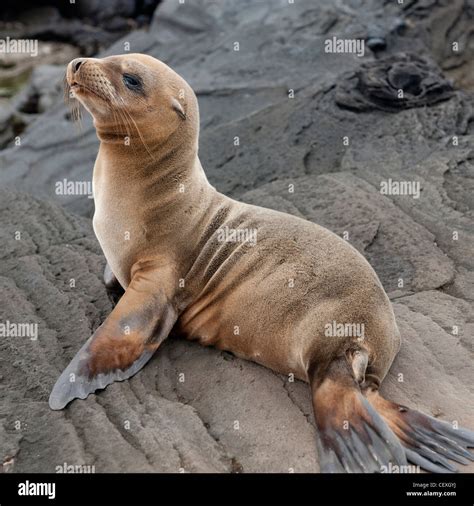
(428, 442)
(351, 435)
(122, 345)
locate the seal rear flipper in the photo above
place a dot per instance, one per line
(352, 437)
(428, 442)
(121, 346)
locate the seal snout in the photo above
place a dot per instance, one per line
(73, 68)
(75, 64)
(88, 81)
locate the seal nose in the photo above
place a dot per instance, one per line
(75, 64)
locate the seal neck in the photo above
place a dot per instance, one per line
(167, 194)
(163, 173)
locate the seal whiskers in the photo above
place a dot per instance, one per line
(74, 105)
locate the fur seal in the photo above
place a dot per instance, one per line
(267, 286)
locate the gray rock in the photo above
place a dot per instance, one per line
(376, 43)
(7, 130)
(45, 88)
(392, 84)
(90, 25)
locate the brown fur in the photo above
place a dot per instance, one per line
(226, 285)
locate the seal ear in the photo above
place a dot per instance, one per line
(122, 345)
(176, 104)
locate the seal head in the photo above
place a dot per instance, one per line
(135, 93)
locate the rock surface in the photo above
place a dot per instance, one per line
(309, 155)
(89, 25)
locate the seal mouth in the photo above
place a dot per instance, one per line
(77, 94)
(76, 87)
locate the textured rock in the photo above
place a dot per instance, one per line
(90, 25)
(446, 27)
(395, 83)
(305, 155)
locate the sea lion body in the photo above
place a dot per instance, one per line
(267, 286)
(269, 300)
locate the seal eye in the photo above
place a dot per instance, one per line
(131, 82)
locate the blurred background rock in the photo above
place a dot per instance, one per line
(65, 29)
